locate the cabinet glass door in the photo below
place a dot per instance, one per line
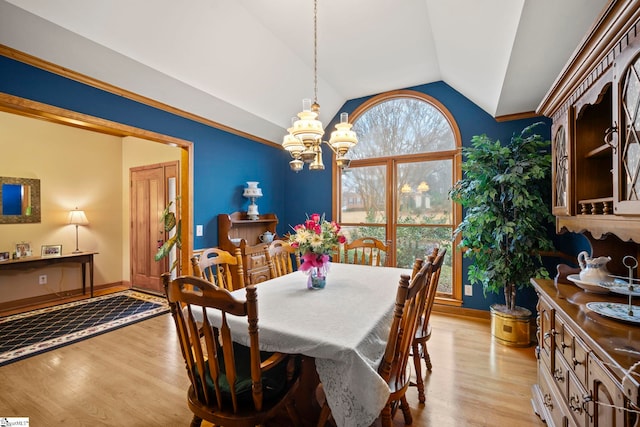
(560, 172)
(628, 195)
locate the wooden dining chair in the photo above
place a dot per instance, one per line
(365, 251)
(214, 265)
(232, 385)
(423, 330)
(393, 368)
(281, 262)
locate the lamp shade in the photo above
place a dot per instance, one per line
(77, 217)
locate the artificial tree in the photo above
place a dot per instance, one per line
(505, 227)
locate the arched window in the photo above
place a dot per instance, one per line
(396, 188)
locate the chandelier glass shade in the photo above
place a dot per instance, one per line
(304, 138)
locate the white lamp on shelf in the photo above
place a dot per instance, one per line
(77, 217)
(252, 192)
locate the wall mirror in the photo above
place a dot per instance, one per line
(19, 200)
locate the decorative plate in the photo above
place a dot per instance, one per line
(621, 288)
(588, 286)
(616, 311)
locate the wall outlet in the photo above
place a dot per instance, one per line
(199, 230)
(42, 280)
(468, 290)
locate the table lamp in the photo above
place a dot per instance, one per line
(77, 217)
(252, 192)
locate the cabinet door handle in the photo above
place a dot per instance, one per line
(575, 405)
(557, 374)
(575, 361)
(547, 401)
(608, 136)
(549, 334)
(586, 399)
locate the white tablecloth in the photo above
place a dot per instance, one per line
(343, 326)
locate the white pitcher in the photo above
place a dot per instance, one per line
(593, 269)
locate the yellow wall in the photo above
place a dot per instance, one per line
(76, 168)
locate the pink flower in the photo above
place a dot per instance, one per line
(317, 236)
(310, 260)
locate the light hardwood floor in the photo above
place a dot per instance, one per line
(135, 376)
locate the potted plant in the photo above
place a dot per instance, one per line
(504, 229)
(168, 219)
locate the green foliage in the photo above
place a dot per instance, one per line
(169, 221)
(504, 192)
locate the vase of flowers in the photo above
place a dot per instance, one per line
(316, 238)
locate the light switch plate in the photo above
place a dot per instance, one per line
(199, 230)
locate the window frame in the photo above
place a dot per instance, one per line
(391, 163)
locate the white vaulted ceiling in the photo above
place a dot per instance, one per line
(248, 63)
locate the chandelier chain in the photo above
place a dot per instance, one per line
(304, 139)
(315, 51)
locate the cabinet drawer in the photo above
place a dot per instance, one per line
(579, 401)
(554, 416)
(560, 375)
(256, 261)
(573, 350)
(545, 329)
(258, 275)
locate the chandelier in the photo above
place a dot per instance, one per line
(304, 140)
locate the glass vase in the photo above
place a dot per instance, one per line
(317, 278)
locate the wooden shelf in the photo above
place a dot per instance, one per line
(601, 151)
(626, 228)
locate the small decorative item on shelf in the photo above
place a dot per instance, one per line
(252, 192)
(316, 238)
(23, 250)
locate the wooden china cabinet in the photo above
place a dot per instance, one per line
(583, 357)
(237, 230)
(594, 104)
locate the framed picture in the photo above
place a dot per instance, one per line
(4, 256)
(23, 250)
(51, 250)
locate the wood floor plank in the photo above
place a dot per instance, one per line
(135, 376)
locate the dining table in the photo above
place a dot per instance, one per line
(342, 329)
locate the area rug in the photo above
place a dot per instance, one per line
(27, 334)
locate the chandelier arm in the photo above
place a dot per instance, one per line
(331, 147)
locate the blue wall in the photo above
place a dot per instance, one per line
(223, 162)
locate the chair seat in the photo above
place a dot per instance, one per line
(274, 381)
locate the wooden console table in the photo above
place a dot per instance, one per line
(34, 262)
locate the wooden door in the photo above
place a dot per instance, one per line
(149, 197)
